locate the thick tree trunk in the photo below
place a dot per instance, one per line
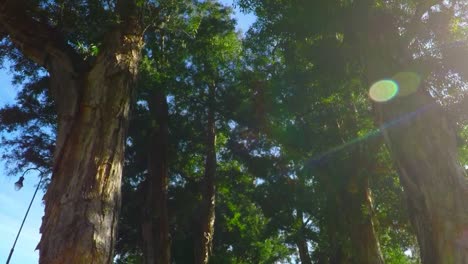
(423, 145)
(204, 236)
(155, 227)
(420, 137)
(93, 102)
(422, 142)
(83, 198)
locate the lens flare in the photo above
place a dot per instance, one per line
(383, 91)
(408, 82)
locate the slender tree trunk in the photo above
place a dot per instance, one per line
(301, 241)
(155, 228)
(357, 205)
(351, 234)
(303, 251)
(147, 232)
(204, 237)
(423, 145)
(352, 221)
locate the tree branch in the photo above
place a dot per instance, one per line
(36, 40)
(415, 22)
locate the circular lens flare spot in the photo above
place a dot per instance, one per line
(383, 90)
(408, 82)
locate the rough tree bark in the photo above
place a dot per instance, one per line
(83, 198)
(422, 142)
(424, 149)
(155, 226)
(204, 236)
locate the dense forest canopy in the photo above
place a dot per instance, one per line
(332, 132)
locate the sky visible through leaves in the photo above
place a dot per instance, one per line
(13, 204)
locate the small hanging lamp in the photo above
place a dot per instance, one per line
(19, 184)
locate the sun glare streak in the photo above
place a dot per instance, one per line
(320, 158)
(402, 84)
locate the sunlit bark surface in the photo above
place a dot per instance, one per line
(93, 102)
(83, 199)
(423, 145)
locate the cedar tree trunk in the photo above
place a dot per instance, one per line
(349, 216)
(353, 221)
(83, 199)
(358, 212)
(303, 251)
(301, 241)
(424, 148)
(155, 228)
(204, 236)
(422, 142)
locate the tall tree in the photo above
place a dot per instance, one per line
(311, 122)
(155, 225)
(427, 161)
(213, 57)
(164, 56)
(411, 43)
(204, 237)
(190, 58)
(276, 142)
(93, 98)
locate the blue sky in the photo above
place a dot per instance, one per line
(243, 20)
(13, 204)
